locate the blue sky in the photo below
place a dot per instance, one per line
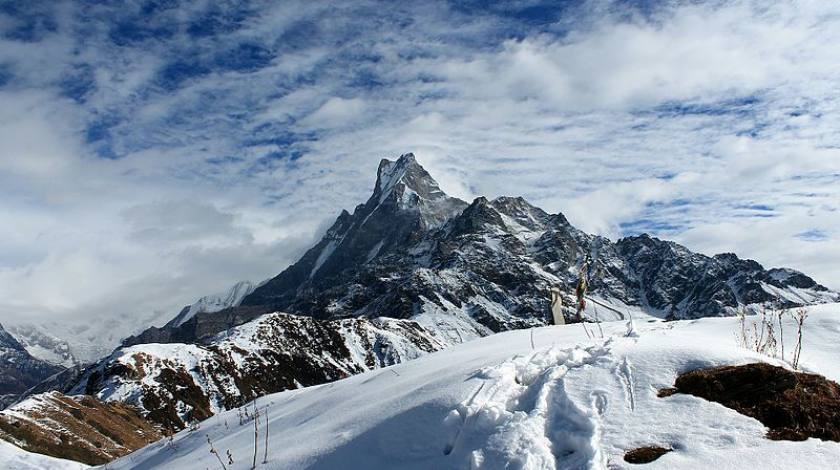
(153, 152)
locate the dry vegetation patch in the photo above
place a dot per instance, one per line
(79, 428)
(645, 454)
(793, 405)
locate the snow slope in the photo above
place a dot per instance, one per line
(14, 458)
(570, 402)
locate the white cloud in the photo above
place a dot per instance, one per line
(335, 112)
(35, 141)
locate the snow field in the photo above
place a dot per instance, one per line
(15, 458)
(493, 403)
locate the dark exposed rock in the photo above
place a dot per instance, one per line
(793, 405)
(645, 454)
(666, 392)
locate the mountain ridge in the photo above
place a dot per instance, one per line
(411, 251)
(19, 369)
(231, 297)
(173, 384)
(624, 272)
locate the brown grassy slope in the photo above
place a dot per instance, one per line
(79, 428)
(793, 405)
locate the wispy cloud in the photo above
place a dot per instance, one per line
(151, 152)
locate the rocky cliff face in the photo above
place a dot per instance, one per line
(18, 369)
(677, 283)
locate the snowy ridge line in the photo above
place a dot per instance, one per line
(495, 403)
(232, 297)
(174, 384)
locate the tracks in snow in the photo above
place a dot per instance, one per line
(624, 373)
(521, 417)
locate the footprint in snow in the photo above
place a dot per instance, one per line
(600, 402)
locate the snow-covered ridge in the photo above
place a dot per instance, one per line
(497, 402)
(232, 297)
(44, 345)
(175, 384)
(19, 370)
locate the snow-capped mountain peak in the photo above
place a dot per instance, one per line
(406, 202)
(409, 187)
(232, 297)
(521, 211)
(405, 171)
(409, 272)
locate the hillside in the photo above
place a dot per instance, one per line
(79, 428)
(175, 384)
(568, 402)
